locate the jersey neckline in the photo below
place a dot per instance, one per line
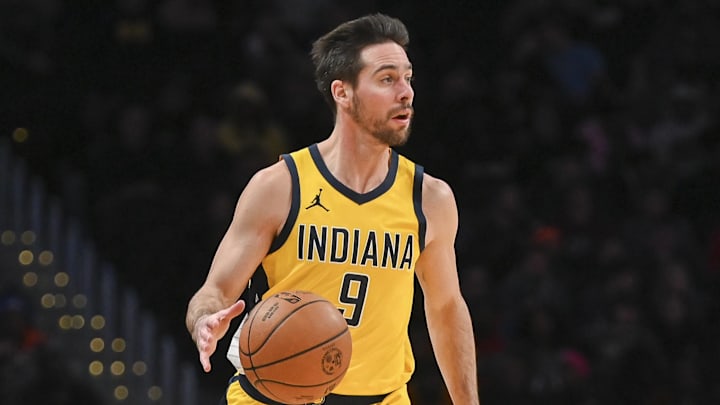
(359, 198)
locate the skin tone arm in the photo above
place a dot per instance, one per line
(259, 215)
(447, 314)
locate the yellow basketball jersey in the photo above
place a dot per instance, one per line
(358, 251)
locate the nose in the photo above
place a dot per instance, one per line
(406, 92)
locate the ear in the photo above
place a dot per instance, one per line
(341, 92)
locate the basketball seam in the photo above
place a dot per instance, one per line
(254, 370)
(249, 356)
(272, 394)
(300, 352)
(275, 328)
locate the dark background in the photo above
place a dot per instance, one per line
(580, 138)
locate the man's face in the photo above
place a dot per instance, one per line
(382, 98)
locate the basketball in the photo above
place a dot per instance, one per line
(295, 347)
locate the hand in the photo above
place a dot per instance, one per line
(211, 328)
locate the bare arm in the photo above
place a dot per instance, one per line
(448, 317)
(260, 213)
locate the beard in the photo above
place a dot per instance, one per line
(379, 128)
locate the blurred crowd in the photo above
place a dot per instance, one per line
(580, 138)
(34, 369)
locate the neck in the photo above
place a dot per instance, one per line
(355, 158)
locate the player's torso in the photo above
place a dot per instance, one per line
(358, 251)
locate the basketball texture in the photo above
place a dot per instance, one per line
(295, 347)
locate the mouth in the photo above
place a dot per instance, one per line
(403, 115)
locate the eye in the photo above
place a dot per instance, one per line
(386, 79)
(410, 79)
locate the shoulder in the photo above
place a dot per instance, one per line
(267, 195)
(271, 178)
(439, 208)
(436, 193)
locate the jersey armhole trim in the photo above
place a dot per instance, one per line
(417, 203)
(294, 205)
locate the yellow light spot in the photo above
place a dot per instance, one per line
(25, 257)
(7, 238)
(155, 393)
(97, 345)
(65, 322)
(139, 368)
(95, 368)
(60, 301)
(118, 345)
(46, 257)
(28, 237)
(20, 135)
(117, 368)
(47, 301)
(80, 301)
(78, 321)
(62, 279)
(121, 392)
(30, 279)
(97, 322)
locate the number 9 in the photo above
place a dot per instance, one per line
(356, 298)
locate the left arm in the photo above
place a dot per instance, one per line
(447, 314)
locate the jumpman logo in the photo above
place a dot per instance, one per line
(316, 202)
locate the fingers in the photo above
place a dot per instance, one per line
(206, 347)
(232, 311)
(205, 361)
(211, 328)
(204, 354)
(205, 340)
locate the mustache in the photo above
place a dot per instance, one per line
(398, 110)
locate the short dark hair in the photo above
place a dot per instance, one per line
(336, 55)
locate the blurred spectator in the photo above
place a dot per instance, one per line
(18, 332)
(684, 120)
(547, 43)
(31, 370)
(248, 126)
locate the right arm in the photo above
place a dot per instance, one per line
(259, 215)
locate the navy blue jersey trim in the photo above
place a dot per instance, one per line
(346, 191)
(417, 203)
(332, 399)
(252, 391)
(257, 287)
(336, 399)
(294, 205)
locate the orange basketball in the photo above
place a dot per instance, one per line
(295, 347)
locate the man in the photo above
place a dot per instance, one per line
(350, 219)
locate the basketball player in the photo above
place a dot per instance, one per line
(350, 219)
